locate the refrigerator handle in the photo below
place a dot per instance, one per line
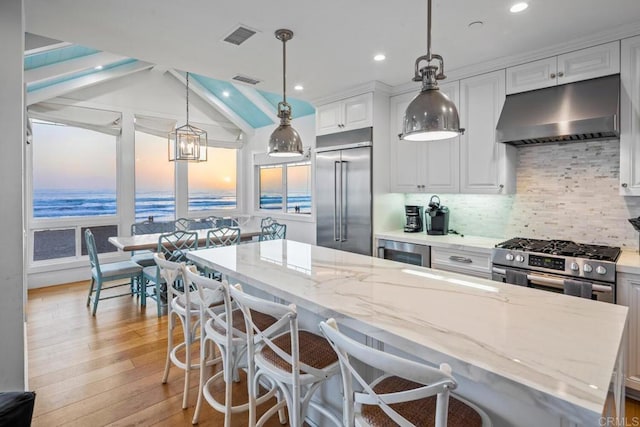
(335, 198)
(343, 201)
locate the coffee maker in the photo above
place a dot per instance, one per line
(437, 217)
(414, 219)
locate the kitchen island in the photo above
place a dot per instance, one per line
(527, 357)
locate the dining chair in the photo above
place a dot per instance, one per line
(201, 223)
(230, 339)
(145, 257)
(273, 232)
(220, 236)
(182, 224)
(296, 362)
(184, 305)
(266, 221)
(108, 272)
(174, 246)
(407, 394)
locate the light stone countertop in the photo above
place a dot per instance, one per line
(453, 241)
(548, 351)
(628, 262)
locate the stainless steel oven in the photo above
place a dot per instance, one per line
(600, 291)
(409, 253)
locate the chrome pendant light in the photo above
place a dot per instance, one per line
(285, 140)
(188, 142)
(431, 115)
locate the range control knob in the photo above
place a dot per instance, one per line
(601, 270)
(587, 268)
(509, 257)
(519, 258)
(574, 266)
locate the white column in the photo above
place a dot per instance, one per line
(126, 173)
(12, 289)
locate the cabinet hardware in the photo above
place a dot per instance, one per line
(624, 185)
(501, 186)
(560, 74)
(553, 75)
(461, 259)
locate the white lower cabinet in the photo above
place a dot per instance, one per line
(486, 166)
(475, 263)
(628, 294)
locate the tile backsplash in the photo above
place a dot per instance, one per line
(564, 191)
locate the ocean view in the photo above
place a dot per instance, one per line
(69, 203)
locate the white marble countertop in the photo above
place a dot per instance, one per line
(453, 241)
(628, 262)
(552, 351)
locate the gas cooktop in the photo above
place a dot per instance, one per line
(565, 248)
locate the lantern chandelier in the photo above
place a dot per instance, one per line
(188, 142)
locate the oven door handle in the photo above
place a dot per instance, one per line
(558, 283)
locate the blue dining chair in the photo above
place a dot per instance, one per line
(273, 232)
(109, 272)
(174, 247)
(145, 258)
(220, 236)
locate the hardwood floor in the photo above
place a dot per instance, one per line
(107, 369)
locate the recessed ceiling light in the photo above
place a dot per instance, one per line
(379, 57)
(99, 67)
(226, 93)
(475, 24)
(519, 7)
(298, 87)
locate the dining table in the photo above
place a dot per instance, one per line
(529, 358)
(141, 242)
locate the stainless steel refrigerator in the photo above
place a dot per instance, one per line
(343, 191)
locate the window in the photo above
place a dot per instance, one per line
(212, 184)
(290, 179)
(74, 172)
(155, 185)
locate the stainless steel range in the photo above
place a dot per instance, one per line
(551, 264)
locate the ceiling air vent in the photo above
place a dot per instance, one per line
(245, 79)
(239, 35)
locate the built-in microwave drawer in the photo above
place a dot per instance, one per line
(408, 253)
(473, 263)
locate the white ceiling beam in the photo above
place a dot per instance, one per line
(85, 81)
(70, 66)
(258, 100)
(215, 102)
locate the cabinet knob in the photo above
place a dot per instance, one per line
(553, 75)
(623, 185)
(501, 186)
(561, 74)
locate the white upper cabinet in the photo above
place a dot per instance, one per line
(486, 167)
(423, 166)
(347, 114)
(596, 61)
(630, 118)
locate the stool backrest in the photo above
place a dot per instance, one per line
(434, 381)
(223, 236)
(273, 231)
(218, 292)
(171, 272)
(174, 246)
(93, 252)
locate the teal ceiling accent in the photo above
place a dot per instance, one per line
(298, 107)
(56, 55)
(40, 85)
(236, 101)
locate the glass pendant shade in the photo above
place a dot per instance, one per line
(430, 116)
(285, 141)
(188, 143)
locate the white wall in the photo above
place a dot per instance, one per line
(12, 350)
(299, 227)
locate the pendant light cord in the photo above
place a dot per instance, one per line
(284, 70)
(429, 58)
(187, 98)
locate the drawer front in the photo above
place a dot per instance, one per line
(473, 263)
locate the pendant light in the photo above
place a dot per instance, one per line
(431, 115)
(285, 140)
(188, 142)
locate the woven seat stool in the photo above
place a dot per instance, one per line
(408, 394)
(295, 362)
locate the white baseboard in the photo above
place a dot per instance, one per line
(59, 277)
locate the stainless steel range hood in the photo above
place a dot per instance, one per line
(577, 111)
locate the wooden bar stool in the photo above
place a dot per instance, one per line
(408, 394)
